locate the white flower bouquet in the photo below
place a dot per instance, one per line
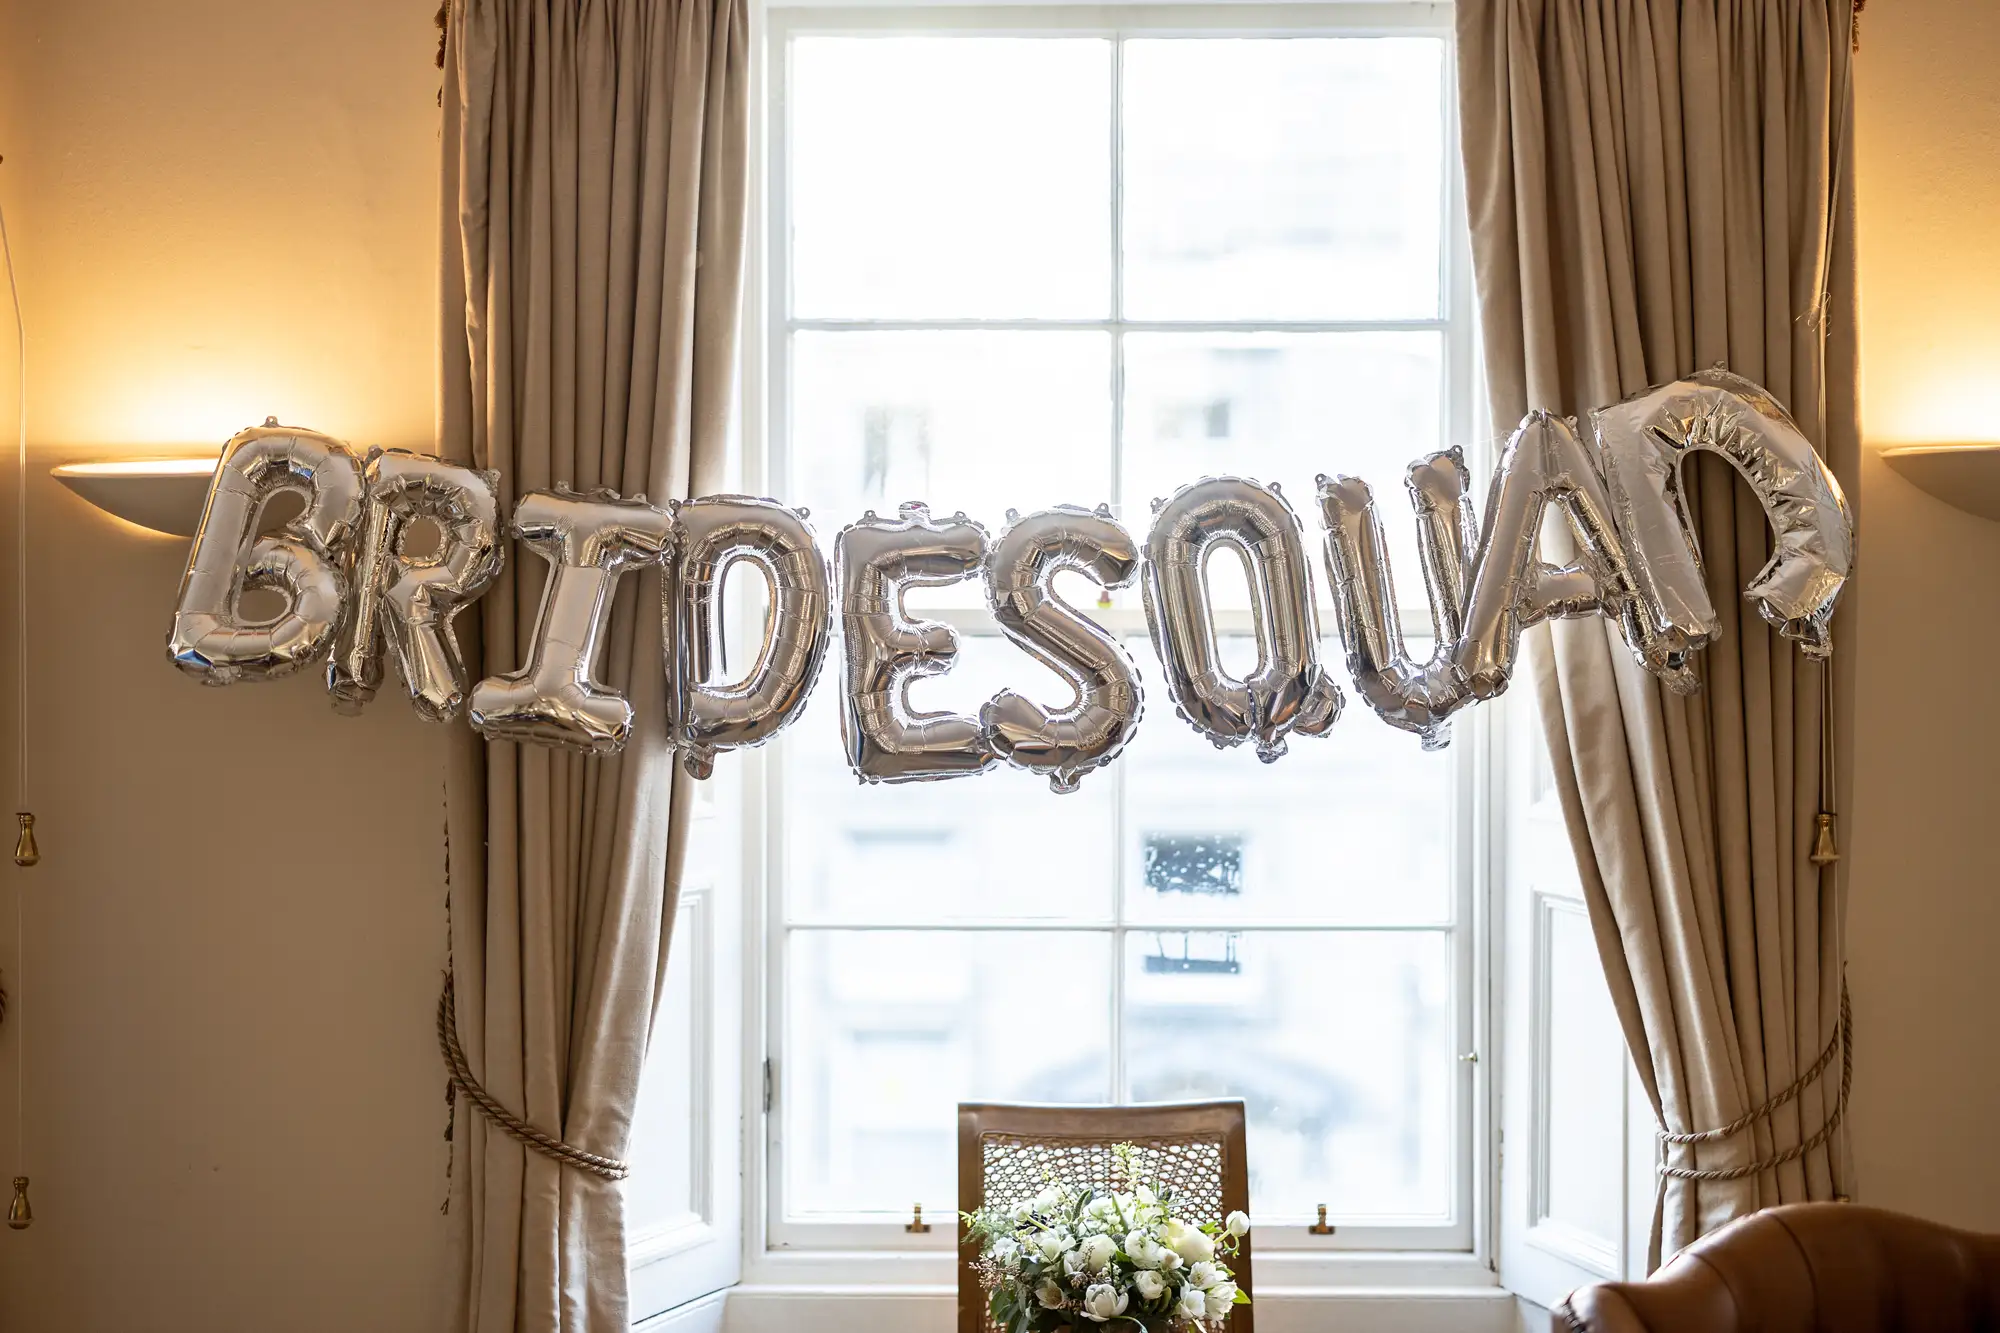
(1074, 1257)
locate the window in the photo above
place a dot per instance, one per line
(1018, 258)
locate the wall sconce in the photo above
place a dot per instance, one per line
(1966, 476)
(163, 494)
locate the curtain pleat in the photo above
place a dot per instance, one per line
(1655, 187)
(593, 230)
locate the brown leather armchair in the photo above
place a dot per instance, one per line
(1809, 1268)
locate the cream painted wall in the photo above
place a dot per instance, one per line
(235, 1108)
(1924, 919)
(225, 210)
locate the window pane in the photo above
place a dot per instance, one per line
(1353, 827)
(950, 177)
(1283, 179)
(1339, 1045)
(978, 421)
(941, 851)
(1285, 407)
(889, 1031)
(661, 1193)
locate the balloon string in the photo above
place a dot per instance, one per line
(20, 698)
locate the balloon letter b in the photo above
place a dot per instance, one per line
(211, 641)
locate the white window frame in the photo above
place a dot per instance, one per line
(780, 1253)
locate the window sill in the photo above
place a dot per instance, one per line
(915, 1292)
(931, 1308)
(1288, 1271)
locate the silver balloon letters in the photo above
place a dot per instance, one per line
(1637, 560)
(1289, 690)
(1544, 463)
(1646, 441)
(589, 541)
(1066, 743)
(710, 716)
(211, 639)
(885, 739)
(1415, 697)
(409, 598)
(351, 579)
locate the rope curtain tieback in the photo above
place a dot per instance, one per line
(461, 1074)
(1843, 1041)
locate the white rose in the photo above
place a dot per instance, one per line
(1219, 1298)
(1047, 1199)
(1203, 1275)
(1104, 1301)
(1188, 1243)
(1052, 1243)
(1143, 1250)
(1237, 1224)
(1169, 1261)
(1148, 1284)
(1049, 1294)
(1193, 1304)
(1097, 1252)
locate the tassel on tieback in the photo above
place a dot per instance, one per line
(1825, 850)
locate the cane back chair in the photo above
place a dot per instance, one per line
(1010, 1152)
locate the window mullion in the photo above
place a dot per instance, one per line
(1117, 941)
(1117, 178)
(1118, 850)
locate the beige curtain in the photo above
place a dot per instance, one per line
(593, 231)
(1656, 186)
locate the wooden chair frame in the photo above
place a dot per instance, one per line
(1218, 1122)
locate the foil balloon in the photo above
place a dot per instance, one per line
(1645, 443)
(211, 638)
(406, 599)
(1544, 464)
(590, 541)
(1413, 696)
(1064, 743)
(885, 739)
(1289, 691)
(709, 715)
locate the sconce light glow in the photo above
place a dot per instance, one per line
(161, 494)
(1964, 475)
